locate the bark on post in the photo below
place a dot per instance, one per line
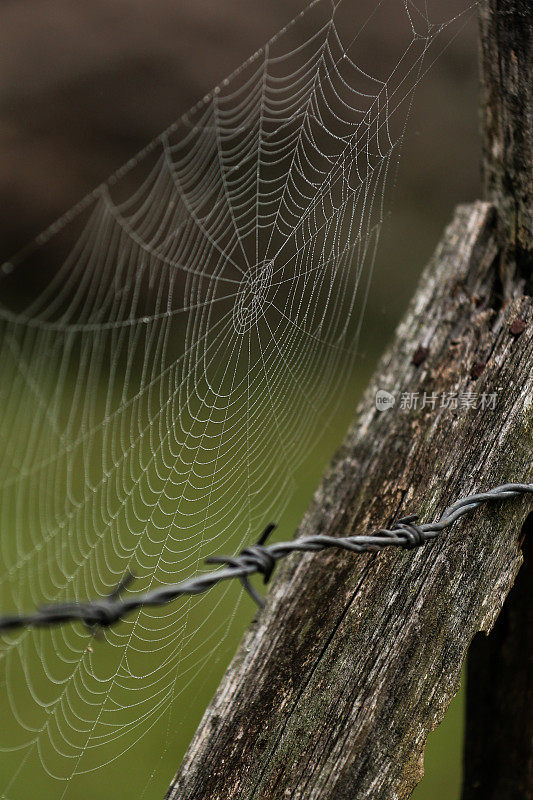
(354, 660)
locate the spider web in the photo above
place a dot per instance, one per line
(169, 352)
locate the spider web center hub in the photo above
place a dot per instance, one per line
(251, 301)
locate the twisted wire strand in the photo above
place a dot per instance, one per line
(255, 559)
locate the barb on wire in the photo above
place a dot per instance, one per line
(256, 559)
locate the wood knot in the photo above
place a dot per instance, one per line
(517, 326)
(420, 355)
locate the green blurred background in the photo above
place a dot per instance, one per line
(83, 87)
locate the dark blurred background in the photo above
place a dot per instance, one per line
(84, 86)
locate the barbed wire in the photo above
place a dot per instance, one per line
(256, 559)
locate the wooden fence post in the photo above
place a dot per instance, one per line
(498, 754)
(354, 659)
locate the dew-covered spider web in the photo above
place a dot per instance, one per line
(170, 352)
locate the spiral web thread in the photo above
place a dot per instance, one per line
(168, 352)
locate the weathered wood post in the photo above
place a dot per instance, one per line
(498, 754)
(354, 660)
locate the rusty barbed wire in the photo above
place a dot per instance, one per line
(255, 559)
